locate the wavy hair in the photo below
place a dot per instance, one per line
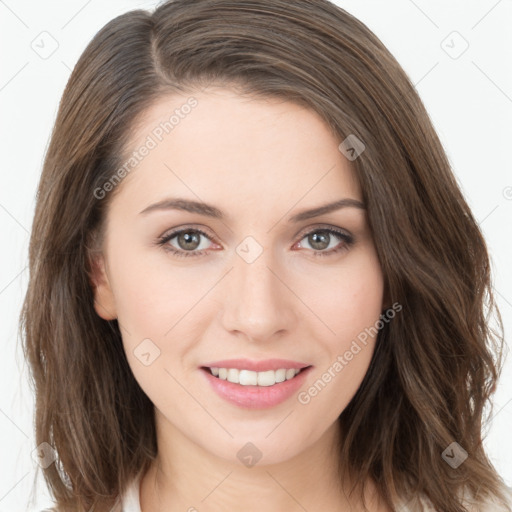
(436, 364)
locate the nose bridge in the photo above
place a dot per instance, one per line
(258, 303)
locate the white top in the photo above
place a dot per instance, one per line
(130, 501)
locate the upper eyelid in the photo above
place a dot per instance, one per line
(319, 227)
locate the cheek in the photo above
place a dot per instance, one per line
(354, 318)
(355, 310)
(161, 314)
(151, 296)
(361, 303)
(350, 298)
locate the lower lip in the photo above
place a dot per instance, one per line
(256, 397)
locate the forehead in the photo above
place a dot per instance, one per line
(218, 145)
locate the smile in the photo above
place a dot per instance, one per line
(254, 384)
(252, 378)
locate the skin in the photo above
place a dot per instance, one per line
(260, 162)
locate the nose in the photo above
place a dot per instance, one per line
(258, 305)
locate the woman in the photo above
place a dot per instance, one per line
(254, 281)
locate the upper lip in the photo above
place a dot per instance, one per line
(256, 366)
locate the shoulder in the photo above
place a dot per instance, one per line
(507, 491)
(491, 504)
(423, 504)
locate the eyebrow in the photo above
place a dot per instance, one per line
(211, 211)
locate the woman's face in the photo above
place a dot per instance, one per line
(253, 284)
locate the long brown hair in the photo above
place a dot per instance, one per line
(435, 365)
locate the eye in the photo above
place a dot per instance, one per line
(188, 241)
(321, 239)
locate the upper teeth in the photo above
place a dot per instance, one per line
(250, 378)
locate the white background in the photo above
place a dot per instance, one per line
(469, 99)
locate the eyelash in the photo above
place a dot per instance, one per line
(347, 242)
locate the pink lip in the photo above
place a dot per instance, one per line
(255, 397)
(256, 366)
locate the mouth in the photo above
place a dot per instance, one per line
(256, 384)
(246, 377)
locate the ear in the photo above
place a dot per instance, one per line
(104, 303)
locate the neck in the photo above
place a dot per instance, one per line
(185, 477)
